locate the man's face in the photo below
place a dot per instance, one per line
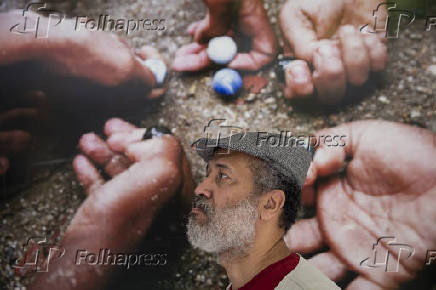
(224, 210)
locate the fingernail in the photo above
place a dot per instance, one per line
(298, 73)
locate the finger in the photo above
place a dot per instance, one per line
(304, 236)
(361, 283)
(298, 79)
(167, 145)
(87, 174)
(311, 175)
(191, 62)
(119, 142)
(330, 265)
(117, 164)
(35, 97)
(116, 125)
(4, 165)
(14, 141)
(330, 157)
(354, 54)
(250, 61)
(329, 160)
(329, 74)
(95, 148)
(192, 28)
(192, 48)
(377, 50)
(143, 73)
(18, 113)
(298, 31)
(145, 186)
(264, 44)
(147, 52)
(99, 152)
(308, 190)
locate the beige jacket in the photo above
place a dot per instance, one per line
(305, 277)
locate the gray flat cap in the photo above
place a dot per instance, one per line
(290, 157)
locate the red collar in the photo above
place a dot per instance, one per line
(270, 277)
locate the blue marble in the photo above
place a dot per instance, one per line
(227, 82)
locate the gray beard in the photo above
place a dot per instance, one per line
(228, 229)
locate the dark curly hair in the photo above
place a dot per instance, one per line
(267, 178)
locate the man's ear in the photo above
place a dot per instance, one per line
(271, 204)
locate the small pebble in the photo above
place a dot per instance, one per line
(415, 114)
(221, 50)
(423, 90)
(432, 70)
(251, 97)
(384, 100)
(227, 82)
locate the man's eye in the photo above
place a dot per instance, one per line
(223, 175)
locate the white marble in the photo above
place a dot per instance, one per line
(222, 50)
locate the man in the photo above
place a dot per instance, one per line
(340, 225)
(245, 205)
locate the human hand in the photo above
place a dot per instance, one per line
(145, 174)
(388, 189)
(117, 213)
(101, 57)
(326, 36)
(252, 23)
(15, 132)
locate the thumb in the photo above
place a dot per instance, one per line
(334, 145)
(298, 31)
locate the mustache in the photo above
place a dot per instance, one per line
(202, 203)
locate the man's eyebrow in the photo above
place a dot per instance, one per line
(221, 165)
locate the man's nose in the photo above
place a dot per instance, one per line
(202, 190)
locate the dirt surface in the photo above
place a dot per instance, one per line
(44, 204)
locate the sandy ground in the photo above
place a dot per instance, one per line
(46, 201)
